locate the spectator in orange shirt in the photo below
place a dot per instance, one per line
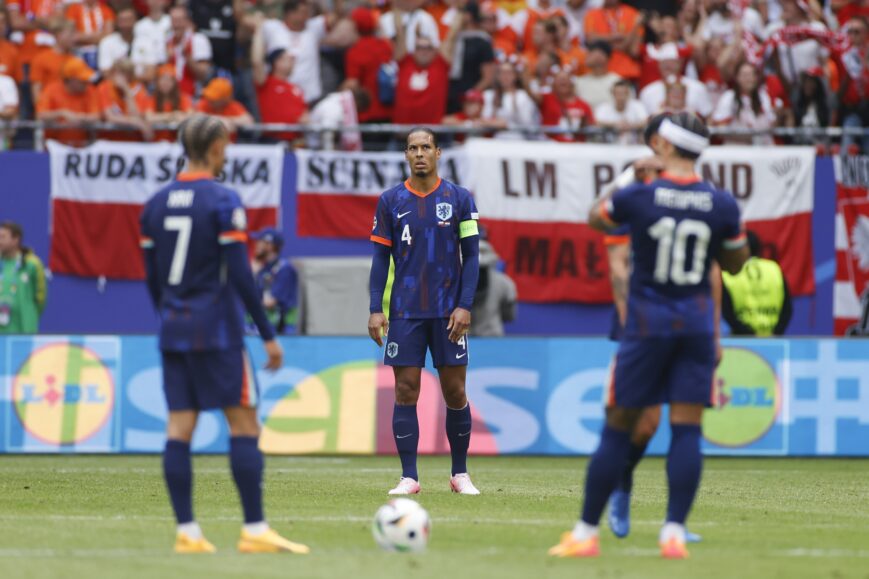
(9, 65)
(217, 100)
(496, 22)
(93, 21)
(46, 66)
(117, 100)
(569, 51)
(32, 18)
(524, 20)
(72, 100)
(167, 105)
(621, 27)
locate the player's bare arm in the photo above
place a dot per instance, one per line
(275, 355)
(620, 263)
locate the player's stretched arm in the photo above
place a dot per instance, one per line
(377, 322)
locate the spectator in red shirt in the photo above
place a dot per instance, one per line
(471, 115)
(362, 63)
(423, 77)
(279, 100)
(217, 100)
(563, 108)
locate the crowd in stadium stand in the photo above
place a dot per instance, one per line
(500, 65)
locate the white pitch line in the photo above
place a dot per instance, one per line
(827, 553)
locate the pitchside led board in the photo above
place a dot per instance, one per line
(71, 394)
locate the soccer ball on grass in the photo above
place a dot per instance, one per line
(402, 525)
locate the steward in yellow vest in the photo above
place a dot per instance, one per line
(756, 301)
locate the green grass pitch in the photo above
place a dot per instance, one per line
(108, 516)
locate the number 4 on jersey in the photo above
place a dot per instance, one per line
(405, 234)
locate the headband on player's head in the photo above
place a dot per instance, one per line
(682, 138)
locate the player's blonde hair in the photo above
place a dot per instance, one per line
(198, 133)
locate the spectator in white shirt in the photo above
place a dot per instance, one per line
(800, 57)
(338, 110)
(748, 106)
(189, 52)
(595, 87)
(697, 98)
(301, 35)
(121, 43)
(8, 107)
(625, 114)
(150, 35)
(509, 102)
(417, 22)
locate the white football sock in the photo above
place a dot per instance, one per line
(672, 530)
(583, 531)
(191, 529)
(256, 529)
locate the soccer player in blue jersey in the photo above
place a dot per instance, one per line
(193, 235)
(428, 227)
(617, 244)
(679, 224)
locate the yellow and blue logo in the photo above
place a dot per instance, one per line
(746, 400)
(63, 394)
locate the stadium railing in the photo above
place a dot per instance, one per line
(253, 133)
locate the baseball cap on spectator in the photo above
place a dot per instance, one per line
(271, 235)
(601, 45)
(218, 89)
(472, 96)
(364, 20)
(275, 54)
(76, 69)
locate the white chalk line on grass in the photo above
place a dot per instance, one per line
(827, 553)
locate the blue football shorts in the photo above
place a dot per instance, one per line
(209, 379)
(408, 340)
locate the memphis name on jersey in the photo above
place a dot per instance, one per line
(424, 233)
(677, 226)
(186, 224)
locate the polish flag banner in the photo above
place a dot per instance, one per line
(534, 199)
(337, 191)
(98, 192)
(852, 240)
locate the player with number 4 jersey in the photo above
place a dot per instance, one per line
(427, 227)
(678, 224)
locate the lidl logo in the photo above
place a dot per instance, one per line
(746, 400)
(63, 394)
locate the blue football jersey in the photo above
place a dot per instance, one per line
(424, 232)
(677, 228)
(186, 224)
